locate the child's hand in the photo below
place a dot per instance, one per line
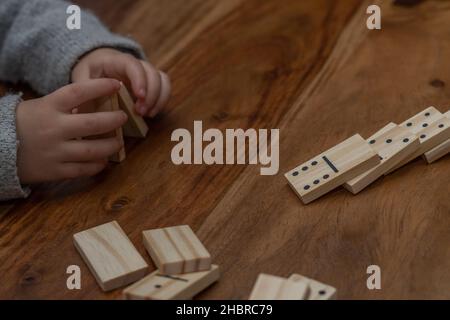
(47, 132)
(150, 86)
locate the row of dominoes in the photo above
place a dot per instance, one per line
(356, 163)
(184, 264)
(296, 287)
(135, 126)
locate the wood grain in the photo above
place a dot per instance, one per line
(110, 256)
(309, 68)
(176, 250)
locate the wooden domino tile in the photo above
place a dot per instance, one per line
(268, 287)
(105, 105)
(393, 144)
(164, 287)
(110, 256)
(176, 250)
(135, 126)
(318, 290)
(432, 128)
(332, 168)
(439, 151)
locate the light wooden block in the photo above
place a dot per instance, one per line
(439, 151)
(105, 105)
(164, 287)
(135, 126)
(268, 287)
(393, 144)
(332, 168)
(110, 255)
(432, 128)
(319, 291)
(176, 250)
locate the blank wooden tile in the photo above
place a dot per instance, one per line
(135, 126)
(176, 250)
(105, 105)
(432, 128)
(319, 291)
(110, 255)
(332, 168)
(268, 287)
(164, 287)
(439, 151)
(393, 144)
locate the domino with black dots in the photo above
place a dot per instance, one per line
(332, 168)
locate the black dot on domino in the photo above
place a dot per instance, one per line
(314, 163)
(157, 286)
(441, 125)
(409, 124)
(307, 187)
(305, 168)
(425, 125)
(316, 181)
(295, 173)
(427, 114)
(388, 140)
(322, 292)
(406, 140)
(423, 136)
(326, 176)
(372, 141)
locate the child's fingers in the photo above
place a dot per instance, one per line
(76, 94)
(90, 150)
(153, 89)
(73, 170)
(125, 65)
(164, 95)
(91, 124)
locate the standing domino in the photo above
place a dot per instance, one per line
(105, 105)
(393, 144)
(135, 126)
(176, 250)
(439, 151)
(332, 168)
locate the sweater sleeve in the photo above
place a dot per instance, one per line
(10, 186)
(36, 46)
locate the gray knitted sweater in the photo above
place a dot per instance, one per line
(37, 48)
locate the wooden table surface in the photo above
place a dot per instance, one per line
(310, 68)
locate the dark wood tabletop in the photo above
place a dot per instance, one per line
(309, 68)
